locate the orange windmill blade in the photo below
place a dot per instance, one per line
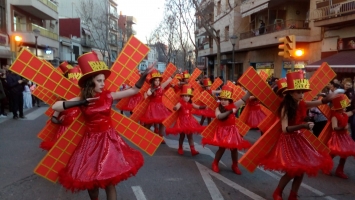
(47, 97)
(216, 83)
(263, 75)
(170, 99)
(262, 91)
(326, 133)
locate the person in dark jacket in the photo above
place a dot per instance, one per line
(14, 83)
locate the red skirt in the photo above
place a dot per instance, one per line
(227, 137)
(186, 125)
(47, 145)
(133, 102)
(100, 159)
(156, 113)
(341, 144)
(294, 155)
(255, 116)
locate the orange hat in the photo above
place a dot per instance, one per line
(185, 74)
(154, 74)
(90, 66)
(226, 93)
(178, 76)
(64, 66)
(296, 81)
(206, 82)
(281, 85)
(186, 90)
(74, 74)
(340, 102)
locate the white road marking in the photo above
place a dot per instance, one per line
(212, 188)
(138, 192)
(174, 144)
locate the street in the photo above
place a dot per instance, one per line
(166, 175)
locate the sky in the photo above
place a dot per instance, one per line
(148, 14)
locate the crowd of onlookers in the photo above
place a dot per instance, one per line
(15, 94)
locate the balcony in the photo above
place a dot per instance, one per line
(326, 15)
(43, 9)
(114, 2)
(253, 6)
(85, 42)
(46, 38)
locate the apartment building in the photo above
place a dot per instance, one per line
(259, 24)
(100, 37)
(5, 51)
(125, 24)
(35, 22)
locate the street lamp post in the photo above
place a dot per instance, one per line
(233, 40)
(190, 63)
(36, 32)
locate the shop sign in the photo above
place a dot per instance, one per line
(264, 65)
(298, 65)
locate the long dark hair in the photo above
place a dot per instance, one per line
(222, 109)
(152, 85)
(88, 90)
(290, 107)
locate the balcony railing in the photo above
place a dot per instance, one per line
(335, 10)
(24, 27)
(279, 25)
(50, 4)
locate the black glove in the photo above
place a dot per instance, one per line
(297, 127)
(224, 115)
(55, 120)
(202, 107)
(139, 84)
(70, 104)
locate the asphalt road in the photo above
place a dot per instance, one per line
(164, 176)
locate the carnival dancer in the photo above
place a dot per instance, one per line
(227, 134)
(65, 67)
(255, 114)
(132, 102)
(341, 144)
(102, 158)
(156, 112)
(281, 85)
(65, 118)
(207, 112)
(293, 153)
(186, 124)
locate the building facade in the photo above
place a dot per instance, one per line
(259, 25)
(35, 22)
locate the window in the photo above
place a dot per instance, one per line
(2, 16)
(113, 55)
(226, 33)
(113, 11)
(218, 7)
(76, 51)
(113, 39)
(113, 24)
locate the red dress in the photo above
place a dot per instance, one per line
(227, 134)
(133, 102)
(66, 117)
(207, 112)
(156, 112)
(102, 157)
(255, 115)
(340, 143)
(294, 154)
(185, 123)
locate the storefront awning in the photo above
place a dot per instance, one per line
(342, 62)
(86, 31)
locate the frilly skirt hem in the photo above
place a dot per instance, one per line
(176, 131)
(241, 146)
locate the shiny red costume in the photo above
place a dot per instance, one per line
(227, 134)
(207, 112)
(255, 115)
(185, 123)
(66, 117)
(102, 157)
(294, 154)
(133, 102)
(156, 112)
(340, 143)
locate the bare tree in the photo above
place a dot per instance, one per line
(95, 17)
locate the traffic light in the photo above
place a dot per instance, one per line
(288, 46)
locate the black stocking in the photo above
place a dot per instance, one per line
(94, 194)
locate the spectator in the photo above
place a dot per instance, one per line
(2, 96)
(35, 100)
(262, 27)
(27, 98)
(14, 82)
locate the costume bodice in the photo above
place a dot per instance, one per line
(342, 119)
(157, 95)
(98, 115)
(231, 117)
(301, 114)
(185, 109)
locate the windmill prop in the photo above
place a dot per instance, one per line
(171, 99)
(262, 91)
(143, 105)
(217, 82)
(47, 97)
(326, 133)
(29, 66)
(210, 102)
